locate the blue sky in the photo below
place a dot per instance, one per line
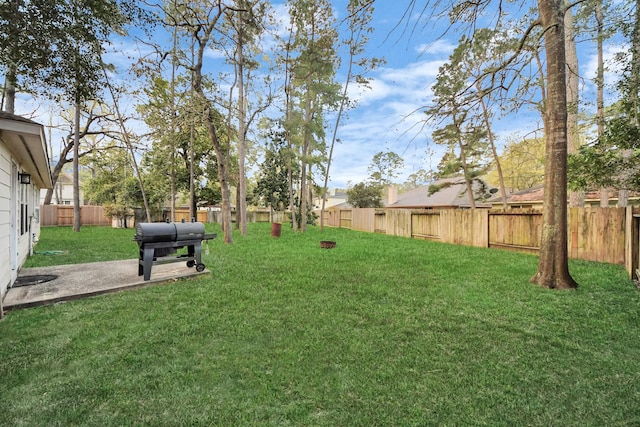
(389, 116)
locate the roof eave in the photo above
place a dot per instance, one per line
(27, 143)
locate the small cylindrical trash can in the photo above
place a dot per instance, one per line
(276, 228)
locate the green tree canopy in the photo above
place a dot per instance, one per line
(272, 186)
(365, 195)
(45, 43)
(522, 164)
(385, 167)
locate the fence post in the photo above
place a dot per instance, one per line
(631, 242)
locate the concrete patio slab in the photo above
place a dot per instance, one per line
(84, 280)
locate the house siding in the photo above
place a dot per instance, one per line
(63, 191)
(5, 216)
(22, 150)
(27, 222)
(30, 228)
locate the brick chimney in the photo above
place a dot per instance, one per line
(392, 194)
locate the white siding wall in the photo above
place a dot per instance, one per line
(35, 223)
(29, 196)
(62, 194)
(5, 227)
(67, 194)
(27, 227)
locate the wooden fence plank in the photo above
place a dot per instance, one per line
(345, 218)
(184, 214)
(425, 224)
(380, 221)
(398, 222)
(515, 230)
(363, 219)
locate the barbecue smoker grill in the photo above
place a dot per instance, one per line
(160, 239)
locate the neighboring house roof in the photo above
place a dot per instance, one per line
(535, 195)
(336, 198)
(65, 178)
(530, 195)
(343, 205)
(453, 193)
(26, 141)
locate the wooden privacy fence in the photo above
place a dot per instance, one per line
(183, 215)
(594, 234)
(63, 215)
(215, 216)
(252, 216)
(53, 215)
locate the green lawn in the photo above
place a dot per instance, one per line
(380, 331)
(60, 245)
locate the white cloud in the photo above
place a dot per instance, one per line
(438, 47)
(613, 72)
(414, 72)
(366, 95)
(214, 54)
(388, 118)
(612, 75)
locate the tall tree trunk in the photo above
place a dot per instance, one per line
(290, 181)
(201, 36)
(57, 170)
(192, 185)
(553, 262)
(288, 110)
(463, 161)
(76, 168)
(9, 95)
(492, 143)
(241, 210)
(127, 140)
(467, 179)
(222, 153)
(604, 192)
(223, 170)
(55, 175)
(172, 156)
(623, 193)
(304, 163)
(576, 198)
(634, 83)
(173, 189)
(343, 101)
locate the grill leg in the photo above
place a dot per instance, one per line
(195, 251)
(144, 265)
(198, 254)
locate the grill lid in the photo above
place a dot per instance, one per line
(189, 230)
(153, 232)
